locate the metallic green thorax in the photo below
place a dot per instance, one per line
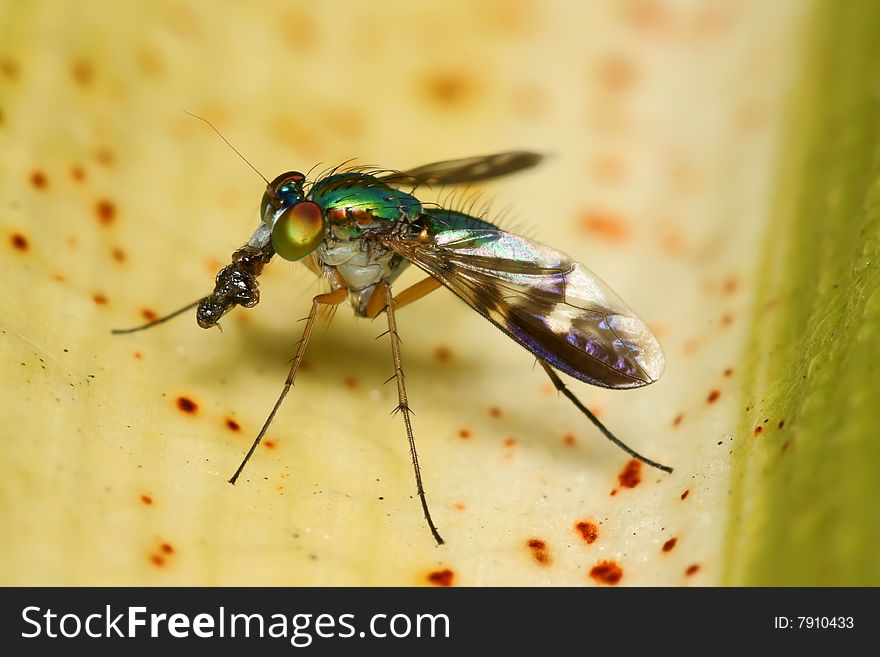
(354, 202)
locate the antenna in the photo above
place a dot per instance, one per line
(235, 150)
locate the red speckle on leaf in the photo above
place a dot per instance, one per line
(686, 492)
(19, 241)
(350, 382)
(78, 173)
(758, 430)
(728, 371)
(148, 314)
(270, 444)
(39, 179)
(631, 475)
(138, 355)
(781, 424)
(713, 396)
(678, 419)
(464, 433)
(232, 424)
(588, 531)
(730, 285)
(146, 499)
(569, 440)
(99, 299)
(509, 442)
(668, 545)
(607, 572)
(603, 224)
(727, 319)
(494, 411)
(692, 569)
(442, 354)
(157, 559)
(187, 405)
(443, 577)
(540, 551)
(167, 548)
(105, 211)
(105, 156)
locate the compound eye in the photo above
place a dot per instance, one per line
(286, 189)
(298, 231)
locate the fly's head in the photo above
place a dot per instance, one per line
(297, 225)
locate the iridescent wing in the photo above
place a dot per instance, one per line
(551, 305)
(465, 170)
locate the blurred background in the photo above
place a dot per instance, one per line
(683, 139)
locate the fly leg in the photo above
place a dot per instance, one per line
(403, 404)
(329, 299)
(561, 387)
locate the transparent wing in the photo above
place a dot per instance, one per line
(465, 170)
(551, 305)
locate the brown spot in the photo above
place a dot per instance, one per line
(613, 492)
(781, 423)
(99, 299)
(232, 424)
(509, 442)
(589, 531)
(350, 382)
(730, 285)
(157, 559)
(39, 179)
(105, 211)
(617, 73)
(692, 569)
(449, 88)
(148, 314)
(678, 419)
(668, 545)
(686, 492)
(713, 396)
(595, 410)
(728, 371)
(727, 319)
(607, 572)
(72, 241)
(785, 446)
(442, 354)
(167, 548)
(270, 444)
(441, 577)
(569, 440)
(10, 69)
(138, 355)
(146, 499)
(464, 433)
(118, 254)
(105, 157)
(631, 475)
(58, 277)
(459, 506)
(758, 430)
(19, 241)
(494, 411)
(187, 405)
(540, 551)
(605, 225)
(78, 173)
(82, 72)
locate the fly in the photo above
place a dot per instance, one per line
(358, 229)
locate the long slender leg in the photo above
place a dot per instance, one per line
(561, 387)
(414, 292)
(160, 320)
(329, 299)
(403, 405)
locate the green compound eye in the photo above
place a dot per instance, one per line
(298, 231)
